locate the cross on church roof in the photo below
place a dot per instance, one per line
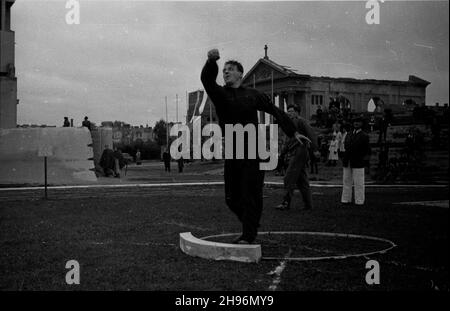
(265, 52)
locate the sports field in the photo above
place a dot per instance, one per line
(127, 238)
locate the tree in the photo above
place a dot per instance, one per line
(151, 150)
(160, 131)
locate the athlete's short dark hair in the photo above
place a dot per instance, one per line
(237, 64)
(295, 107)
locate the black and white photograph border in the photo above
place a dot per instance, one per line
(132, 153)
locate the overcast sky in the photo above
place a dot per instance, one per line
(125, 56)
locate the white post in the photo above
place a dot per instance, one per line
(167, 125)
(177, 106)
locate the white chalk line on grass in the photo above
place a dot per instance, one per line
(399, 264)
(439, 203)
(133, 243)
(275, 183)
(277, 272)
(180, 224)
(407, 266)
(212, 183)
(390, 246)
(115, 186)
(110, 242)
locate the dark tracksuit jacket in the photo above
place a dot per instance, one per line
(243, 179)
(166, 159)
(357, 148)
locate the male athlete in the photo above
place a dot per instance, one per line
(236, 104)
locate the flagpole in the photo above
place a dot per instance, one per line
(272, 86)
(254, 86)
(177, 106)
(272, 99)
(167, 125)
(210, 117)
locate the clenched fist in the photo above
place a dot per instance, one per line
(213, 54)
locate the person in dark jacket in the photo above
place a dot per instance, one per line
(357, 149)
(138, 157)
(180, 165)
(296, 173)
(314, 158)
(119, 162)
(66, 122)
(236, 104)
(166, 159)
(87, 123)
(107, 161)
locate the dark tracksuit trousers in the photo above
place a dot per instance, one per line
(244, 193)
(297, 176)
(167, 165)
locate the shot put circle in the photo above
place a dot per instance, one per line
(390, 245)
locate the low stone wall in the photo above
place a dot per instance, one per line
(69, 156)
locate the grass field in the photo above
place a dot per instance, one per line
(127, 239)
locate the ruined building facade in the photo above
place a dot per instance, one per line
(8, 80)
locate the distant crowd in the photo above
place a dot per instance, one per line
(334, 124)
(85, 123)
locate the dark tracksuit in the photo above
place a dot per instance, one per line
(243, 179)
(166, 158)
(296, 175)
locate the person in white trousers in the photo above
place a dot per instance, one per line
(356, 150)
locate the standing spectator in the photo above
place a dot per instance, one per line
(356, 150)
(418, 148)
(346, 112)
(416, 113)
(385, 122)
(436, 133)
(319, 112)
(332, 115)
(372, 123)
(446, 114)
(66, 122)
(180, 165)
(314, 157)
(119, 162)
(166, 159)
(333, 151)
(138, 157)
(323, 149)
(87, 123)
(337, 131)
(325, 115)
